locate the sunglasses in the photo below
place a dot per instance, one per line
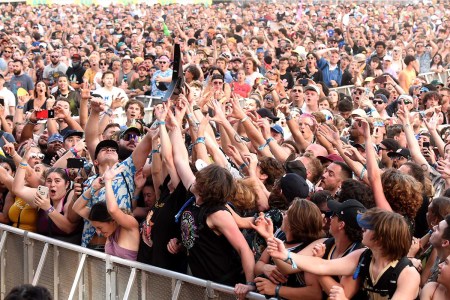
(163, 62)
(310, 57)
(37, 155)
(131, 136)
(54, 56)
(7, 51)
(357, 92)
(377, 101)
(407, 102)
(103, 64)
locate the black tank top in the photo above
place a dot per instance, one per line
(210, 256)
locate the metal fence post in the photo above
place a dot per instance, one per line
(27, 258)
(111, 277)
(3, 264)
(55, 272)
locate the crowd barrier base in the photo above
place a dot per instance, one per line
(72, 272)
(442, 77)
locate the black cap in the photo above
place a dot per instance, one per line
(293, 185)
(70, 133)
(347, 211)
(267, 113)
(130, 129)
(400, 152)
(296, 167)
(390, 144)
(105, 144)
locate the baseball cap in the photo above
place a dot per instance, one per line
(347, 211)
(56, 137)
(296, 167)
(381, 97)
(404, 152)
(130, 129)
(126, 57)
(70, 133)
(76, 56)
(266, 113)
(277, 128)
(359, 112)
(330, 158)
(293, 185)
(106, 144)
(363, 222)
(311, 88)
(387, 57)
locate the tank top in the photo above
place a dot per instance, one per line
(125, 77)
(47, 227)
(210, 256)
(22, 215)
(112, 247)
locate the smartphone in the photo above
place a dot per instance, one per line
(93, 95)
(2, 102)
(75, 163)
(304, 81)
(426, 145)
(211, 112)
(45, 114)
(43, 191)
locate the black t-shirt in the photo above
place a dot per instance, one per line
(75, 75)
(164, 229)
(288, 80)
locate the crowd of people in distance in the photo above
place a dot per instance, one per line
(261, 171)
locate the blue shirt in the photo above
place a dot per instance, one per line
(123, 190)
(328, 74)
(155, 91)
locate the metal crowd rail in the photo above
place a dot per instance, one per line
(442, 77)
(72, 272)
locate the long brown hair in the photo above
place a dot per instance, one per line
(305, 220)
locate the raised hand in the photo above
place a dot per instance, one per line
(276, 248)
(111, 173)
(263, 226)
(139, 179)
(337, 293)
(319, 250)
(8, 147)
(41, 202)
(117, 102)
(97, 105)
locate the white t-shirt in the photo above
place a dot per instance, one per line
(108, 96)
(9, 99)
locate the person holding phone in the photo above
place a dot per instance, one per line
(52, 202)
(7, 99)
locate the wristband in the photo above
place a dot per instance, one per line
(15, 154)
(361, 176)
(50, 210)
(290, 261)
(200, 139)
(19, 106)
(155, 151)
(241, 167)
(74, 151)
(23, 165)
(189, 115)
(109, 112)
(93, 191)
(244, 119)
(250, 283)
(261, 148)
(84, 197)
(288, 117)
(160, 123)
(277, 291)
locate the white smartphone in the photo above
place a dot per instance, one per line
(43, 191)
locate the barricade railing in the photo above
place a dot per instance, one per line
(430, 76)
(70, 271)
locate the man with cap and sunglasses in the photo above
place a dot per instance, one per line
(346, 236)
(105, 154)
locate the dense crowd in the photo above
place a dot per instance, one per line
(258, 173)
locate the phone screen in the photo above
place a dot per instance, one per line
(45, 114)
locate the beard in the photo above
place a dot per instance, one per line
(17, 72)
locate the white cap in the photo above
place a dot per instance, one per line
(387, 57)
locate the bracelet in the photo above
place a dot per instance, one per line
(200, 139)
(109, 112)
(189, 115)
(261, 148)
(84, 197)
(15, 154)
(23, 165)
(160, 123)
(93, 191)
(244, 119)
(361, 176)
(241, 167)
(290, 261)
(19, 106)
(250, 283)
(155, 151)
(50, 210)
(74, 151)
(277, 291)
(288, 117)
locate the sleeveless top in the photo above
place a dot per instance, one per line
(45, 226)
(127, 77)
(210, 256)
(22, 215)
(330, 246)
(112, 247)
(385, 285)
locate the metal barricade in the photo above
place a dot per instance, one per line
(72, 272)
